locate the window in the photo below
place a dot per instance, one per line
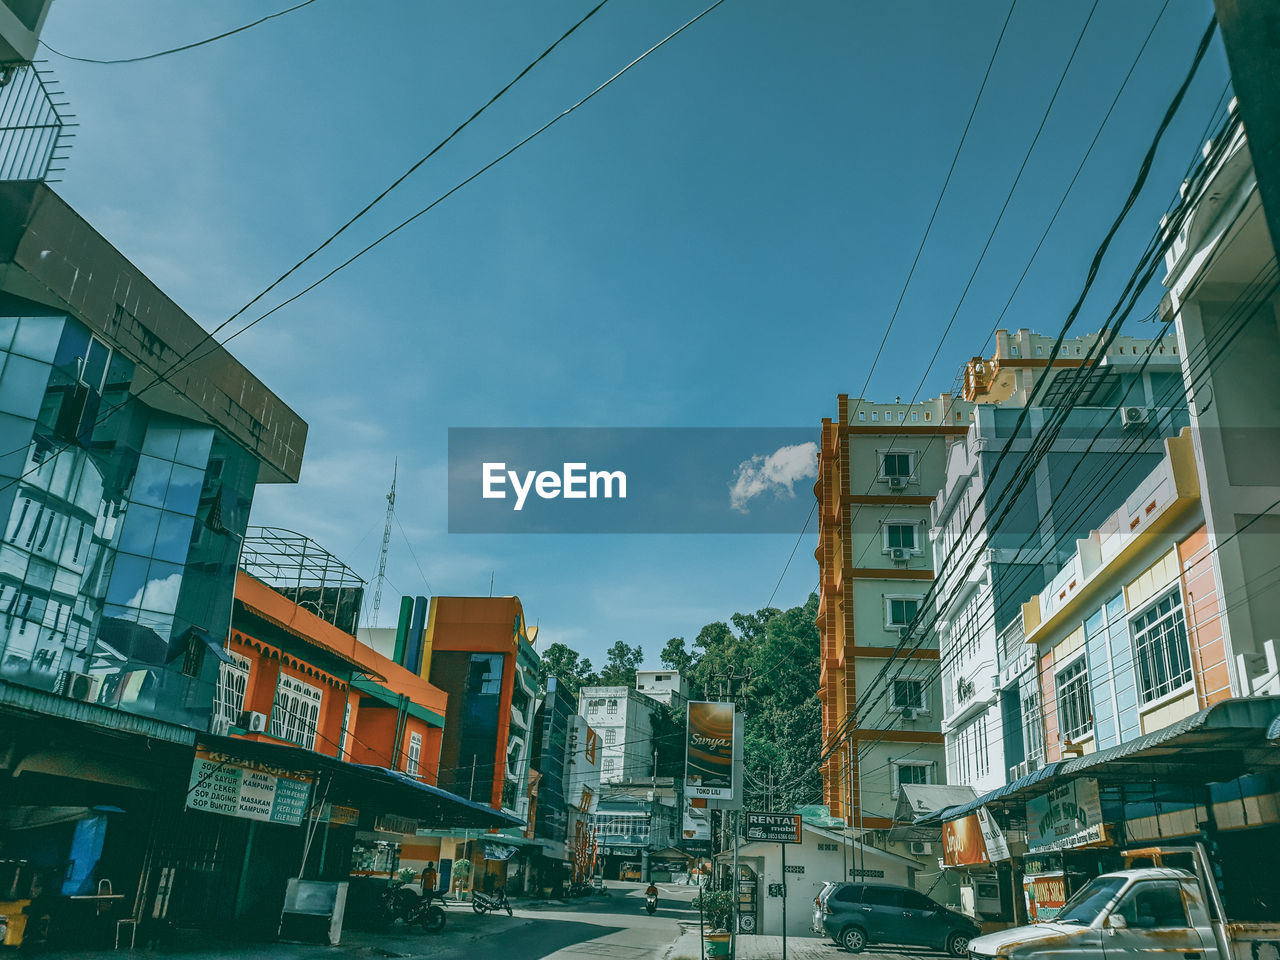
(900, 535)
(346, 730)
(610, 737)
(610, 764)
(613, 707)
(295, 714)
(883, 896)
(911, 773)
(1075, 712)
(1154, 904)
(900, 611)
(862, 415)
(415, 754)
(1032, 732)
(228, 696)
(875, 415)
(1160, 647)
(896, 464)
(915, 416)
(908, 693)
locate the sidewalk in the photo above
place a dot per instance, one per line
(760, 947)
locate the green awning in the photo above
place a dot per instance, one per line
(392, 699)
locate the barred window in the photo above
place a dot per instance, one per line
(908, 693)
(295, 715)
(1032, 733)
(233, 680)
(1160, 645)
(415, 754)
(1075, 711)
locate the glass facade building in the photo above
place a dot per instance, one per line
(123, 526)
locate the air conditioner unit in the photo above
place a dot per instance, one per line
(81, 686)
(1018, 771)
(899, 554)
(921, 847)
(909, 713)
(904, 632)
(897, 483)
(253, 721)
(219, 725)
(1134, 416)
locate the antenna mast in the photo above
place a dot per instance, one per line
(386, 542)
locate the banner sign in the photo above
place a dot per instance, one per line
(1068, 816)
(497, 851)
(1045, 894)
(696, 830)
(962, 842)
(708, 768)
(243, 788)
(992, 836)
(773, 827)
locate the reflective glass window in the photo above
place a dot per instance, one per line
(161, 439)
(8, 327)
(151, 482)
(164, 581)
(95, 364)
(139, 534)
(193, 447)
(38, 337)
(184, 489)
(174, 537)
(22, 385)
(128, 577)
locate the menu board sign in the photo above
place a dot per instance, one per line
(243, 788)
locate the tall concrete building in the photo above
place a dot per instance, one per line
(994, 547)
(878, 468)
(624, 719)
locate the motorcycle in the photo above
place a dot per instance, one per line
(484, 902)
(651, 904)
(398, 902)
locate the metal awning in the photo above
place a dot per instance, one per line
(916, 801)
(1215, 745)
(370, 788)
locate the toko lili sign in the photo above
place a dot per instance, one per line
(241, 788)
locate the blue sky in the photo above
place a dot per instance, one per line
(718, 239)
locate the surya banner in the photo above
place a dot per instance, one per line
(708, 765)
(962, 842)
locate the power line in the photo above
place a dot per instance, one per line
(185, 46)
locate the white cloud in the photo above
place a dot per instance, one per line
(776, 473)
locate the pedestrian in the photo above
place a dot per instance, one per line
(429, 880)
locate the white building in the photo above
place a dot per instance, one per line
(665, 686)
(623, 718)
(990, 699)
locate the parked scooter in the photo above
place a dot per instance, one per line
(484, 902)
(399, 902)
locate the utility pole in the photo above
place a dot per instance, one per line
(386, 542)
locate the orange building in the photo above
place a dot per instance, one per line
(298, 679)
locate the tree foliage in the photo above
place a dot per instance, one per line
(568, 667)
(620, 668)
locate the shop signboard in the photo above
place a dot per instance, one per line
(1065, 817)
(992, 836)
(962, 842)
(1045, 894)
(244, 788)
(708, 769)
(773, 827)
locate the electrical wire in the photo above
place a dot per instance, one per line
(185, 46)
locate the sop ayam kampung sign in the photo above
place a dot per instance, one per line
(1067, 816)
(241, 788)
(708, 764)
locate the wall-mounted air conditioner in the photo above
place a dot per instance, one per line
(897, 483)
(219, 725)
(910, 713)
(253, 721)
(921, 847)
(81, 686)
(1134, 416)
(899, 554)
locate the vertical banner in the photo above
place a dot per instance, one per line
(708, 765)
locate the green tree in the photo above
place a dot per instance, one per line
(566, 665)
(674, 656)
(620, 666)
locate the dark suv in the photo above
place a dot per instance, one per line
(856, 914)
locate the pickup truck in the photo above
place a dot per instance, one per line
(1156, 912)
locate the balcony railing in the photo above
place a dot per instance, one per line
(35, 134)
